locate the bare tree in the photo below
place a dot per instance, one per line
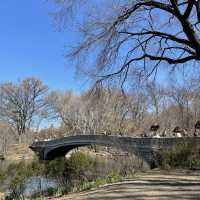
(21, 103)
(69, 110)
(136, 35)
(110, 109)
(6, 137)
(155, 93)
(107, 112)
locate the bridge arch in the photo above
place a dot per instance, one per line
(49, 150)
(60, 151)
(146, 148)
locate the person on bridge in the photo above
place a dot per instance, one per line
(179, 132)
(197, 128)
(154, 130)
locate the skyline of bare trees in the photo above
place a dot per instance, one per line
(106, 111)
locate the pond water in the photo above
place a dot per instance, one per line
(38, 184)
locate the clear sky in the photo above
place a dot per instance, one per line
(30, 46)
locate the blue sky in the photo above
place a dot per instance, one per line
(30, 46)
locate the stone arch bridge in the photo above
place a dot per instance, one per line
(146, 148)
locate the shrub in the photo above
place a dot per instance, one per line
(185, 155)
(81, 166)
(2, 175)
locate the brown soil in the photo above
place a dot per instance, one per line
(154, 185)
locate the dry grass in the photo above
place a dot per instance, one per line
(19, 152)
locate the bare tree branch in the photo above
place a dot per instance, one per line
(140, 31)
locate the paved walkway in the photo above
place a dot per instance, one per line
(150, 186)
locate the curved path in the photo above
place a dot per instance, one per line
(150, 186)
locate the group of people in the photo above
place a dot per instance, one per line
(177, 131)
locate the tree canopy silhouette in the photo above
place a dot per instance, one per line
(134, 36)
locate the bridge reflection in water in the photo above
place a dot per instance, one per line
(146, 148)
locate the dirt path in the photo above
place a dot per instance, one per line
(150, 186)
